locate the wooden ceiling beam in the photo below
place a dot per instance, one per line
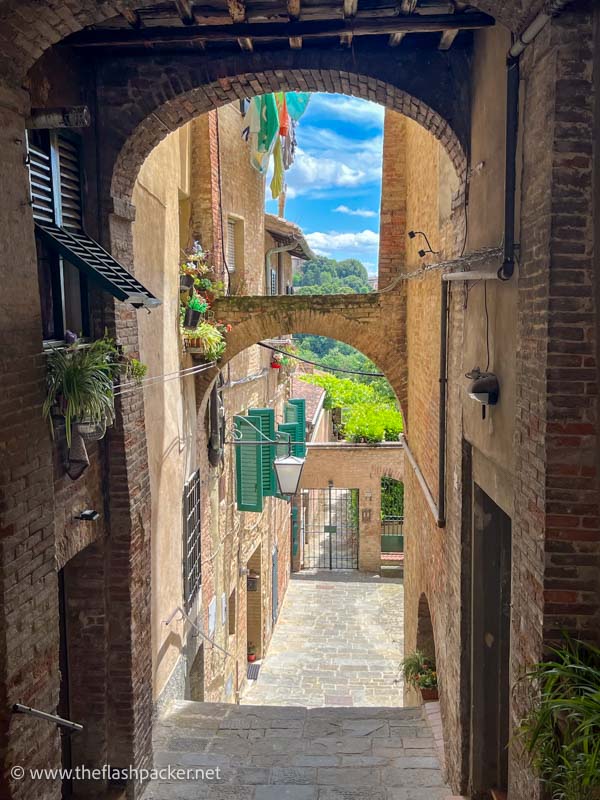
(408, 6)
(237, 10)
(132, 17)
(184, 9)
(246, 43)
(293, 9)
(447, 39)
(350, 8)
(280, 30)
(396, 39)
(295, 42)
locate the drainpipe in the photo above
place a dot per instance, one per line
(551, 9)
(273, 251)
(441, 517)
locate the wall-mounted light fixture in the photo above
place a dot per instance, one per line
(484, 388)
(88, 515)
(423, 253)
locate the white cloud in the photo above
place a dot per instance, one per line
(324, 169)
(350, 109)
(326, 244)
(355, 212)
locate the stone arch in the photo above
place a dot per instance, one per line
(425, 638)
(357, 320)
(23, 42)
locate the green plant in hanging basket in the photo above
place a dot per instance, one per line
(80, 383)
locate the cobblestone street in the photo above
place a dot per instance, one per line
(337, 642)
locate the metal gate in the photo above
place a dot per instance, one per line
(330, 528)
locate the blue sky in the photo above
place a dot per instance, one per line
(334, 185)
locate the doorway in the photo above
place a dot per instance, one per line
(330, 528)
(490, 645)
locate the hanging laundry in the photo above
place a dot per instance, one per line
(269, 123)
(296, 103)
(258, 159)
(277, 180)
(284, 117)
(288, 146)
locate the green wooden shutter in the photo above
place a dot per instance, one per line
(248, 467)
(291, 414)
(264, 419)
(300, 404)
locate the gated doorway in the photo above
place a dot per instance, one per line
(330, 528)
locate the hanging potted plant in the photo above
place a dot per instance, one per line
(275, 361)
(80, 386)
(420, 673)
(195, 308)
(251, 653)
(208, 338)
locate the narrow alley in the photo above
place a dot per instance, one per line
(338, 642)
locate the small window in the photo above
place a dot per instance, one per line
(192, 565)
(235, 244)
(231, 613)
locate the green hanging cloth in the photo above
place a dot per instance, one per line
(269, 123)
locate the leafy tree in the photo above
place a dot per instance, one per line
(323, 275)
(392, 498)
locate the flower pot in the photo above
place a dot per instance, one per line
(429, 695)
(186, 281)
(251, 657)
(191, 318)
(275, 365)
(91, 431)
(209, 297)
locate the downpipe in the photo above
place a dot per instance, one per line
(441, 515)
(513, 58)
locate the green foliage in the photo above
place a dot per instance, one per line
(80, 382)
(213, 341)
(372, 422)
(328, 276)
(135, 370)
(367, 415)
(562, 731)
(419, 671)
(392, 498)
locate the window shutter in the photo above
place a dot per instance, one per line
(40, 181)
(231, 249)
(192, 569)
(70, 184)
(264, 419)
(300, 404)
(274, 282)
(248, 467)
(291, 414)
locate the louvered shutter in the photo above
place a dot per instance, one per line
(265, 421)
(70, 184)
(300, 404)
(231, 249)
(248, 467)
(40, 180)
(291, 414)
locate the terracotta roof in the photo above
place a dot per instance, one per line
(311, 393)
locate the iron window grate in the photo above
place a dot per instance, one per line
(192, 550)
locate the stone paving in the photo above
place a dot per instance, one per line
(338, 642)
(286, 753)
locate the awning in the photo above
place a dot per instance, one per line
(87, 255)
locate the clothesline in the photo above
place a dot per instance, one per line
(271, 131)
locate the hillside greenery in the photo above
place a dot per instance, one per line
(324, 275)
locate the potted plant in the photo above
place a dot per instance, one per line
(275, 361)
(208, 338)
(80, 385)
(251, 652)
(561, 733)
(420, 673)
(195, 308)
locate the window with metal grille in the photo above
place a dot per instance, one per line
(192, 551)
(232, 244)
(274, 282)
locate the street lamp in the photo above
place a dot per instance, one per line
(288, 470)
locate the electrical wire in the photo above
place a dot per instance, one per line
(322, 366)
(159, 379)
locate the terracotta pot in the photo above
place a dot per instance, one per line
(275, 365)
(429, 695)
(251, 657)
